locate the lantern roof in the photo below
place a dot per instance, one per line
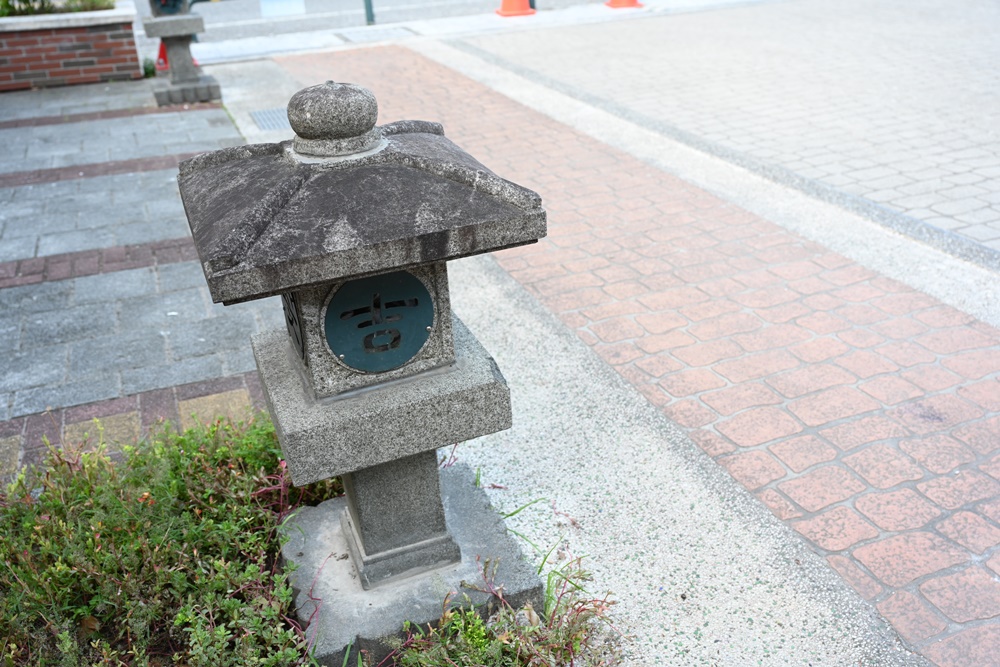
(343, 199)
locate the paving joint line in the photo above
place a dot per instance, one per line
(65, 266)
(109, 114)
(941, 239)
(113, 167)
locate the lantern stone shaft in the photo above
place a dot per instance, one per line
(353, 224)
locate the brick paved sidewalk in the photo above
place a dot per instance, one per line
(863, 413)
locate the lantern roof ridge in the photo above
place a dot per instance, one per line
(265, 221)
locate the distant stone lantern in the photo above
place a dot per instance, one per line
(176, 27)
(352, 224)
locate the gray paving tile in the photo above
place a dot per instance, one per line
(134, 349)
(982, 232)
(74, 200)
(10, 331)
(194, 369)
(22, 247)
(42, 366)
(66, 325)
(151, 230)
(882, 196)
(115, 286)
(967, 178)
(168, 206)
(269, 313)
(239, 360)
(78, 99)
(182, 275)
(889, 182)
(955, 207)
(980, 216)
(924, 187)
(68, 144)
(41, 297)
(95, 388)
(915, 201)
(165, 311)
(20, 206)
(761, 93)
(76, 240)
(228, 331)
(964, 192)
(35, 224)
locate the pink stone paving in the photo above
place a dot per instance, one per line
(862, 412)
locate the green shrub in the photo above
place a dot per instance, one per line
(574, 631)
(169, 556)
(27, 7)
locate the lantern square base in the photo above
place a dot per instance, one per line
(204, 89)
(327, 437)
(343, 618)
(386, 567)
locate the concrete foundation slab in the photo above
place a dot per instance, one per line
(342, 617)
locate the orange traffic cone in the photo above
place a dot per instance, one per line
(162, 64)
(515, 8)
(622, 4)
(161, 59)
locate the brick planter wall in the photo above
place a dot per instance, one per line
(65, 49)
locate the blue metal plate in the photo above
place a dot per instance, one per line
(379, 323)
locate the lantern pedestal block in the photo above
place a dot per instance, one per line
(395, 524)
(187, 82)
(327, 437)
(344, 617)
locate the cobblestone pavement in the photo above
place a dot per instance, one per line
(862, 412)
(101, 296)
(888, 109)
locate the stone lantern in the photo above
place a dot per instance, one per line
(176, 27)
(353, 225)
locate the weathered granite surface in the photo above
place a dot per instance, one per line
(323, 438)
(395, 524)
(174, 26)
(267, 219)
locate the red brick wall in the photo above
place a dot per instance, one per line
(66, 56)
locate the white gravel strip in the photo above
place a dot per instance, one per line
(703, 573)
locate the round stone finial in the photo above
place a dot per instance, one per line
(333, 119)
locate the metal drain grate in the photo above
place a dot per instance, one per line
(271, 119)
